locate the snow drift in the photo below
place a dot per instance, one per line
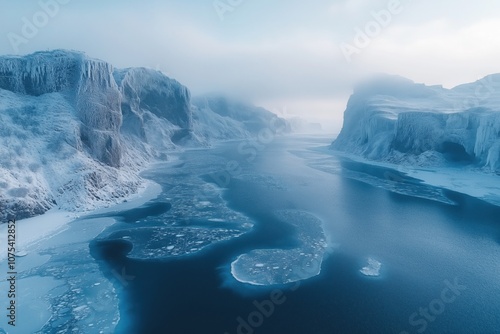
(394, 119)
(75, 132)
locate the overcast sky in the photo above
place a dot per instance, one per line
(293, 57)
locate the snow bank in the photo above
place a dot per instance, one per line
(34, 229)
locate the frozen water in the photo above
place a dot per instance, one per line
(372, 269)
(197, 217)
(282, 266)
(75, 300)
(429, 183)
(155, 243)
(60, 286)
(386, 176)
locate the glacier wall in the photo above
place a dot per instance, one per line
(393, 119)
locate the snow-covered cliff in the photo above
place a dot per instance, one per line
(220, 118)
(393, 119)
(75, 132)
(86, 84)
(156, 110)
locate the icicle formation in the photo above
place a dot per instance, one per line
(49, 72)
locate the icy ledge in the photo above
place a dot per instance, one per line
(282, 266)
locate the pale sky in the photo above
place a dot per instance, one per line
(288, 56)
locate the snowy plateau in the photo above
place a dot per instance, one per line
(392, 119)
(75, 132)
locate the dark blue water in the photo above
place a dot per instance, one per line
(424, 246)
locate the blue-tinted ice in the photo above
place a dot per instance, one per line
(282, 266)
(197, 215)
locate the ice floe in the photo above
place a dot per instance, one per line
(282, 266)
(372, 268)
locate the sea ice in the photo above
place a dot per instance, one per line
(156, 243)
(372, 269)
(282, 266)
(189, 225)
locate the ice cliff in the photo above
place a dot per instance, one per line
(75, 132)
(394, 119)
(220, 117)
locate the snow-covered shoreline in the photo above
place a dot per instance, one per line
(34, 230)
(41, 278)
(480, 184)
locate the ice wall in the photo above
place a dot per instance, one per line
(391, 118)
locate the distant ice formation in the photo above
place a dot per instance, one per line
(395, 120)
(218, 117)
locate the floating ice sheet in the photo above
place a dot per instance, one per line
(282, 266)
(156, 243)
(428, 183)
(372, 268)
(385, 178)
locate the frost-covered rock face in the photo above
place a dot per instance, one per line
(89, 86)
(69, 126)
(74, 131)
(149, 90)
(155, 108)
(219, 117)
(394, 119)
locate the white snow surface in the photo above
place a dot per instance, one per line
(393, 119)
